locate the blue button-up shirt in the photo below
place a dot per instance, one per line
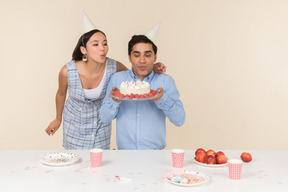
(142, 124)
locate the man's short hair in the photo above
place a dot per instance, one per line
(140, 39)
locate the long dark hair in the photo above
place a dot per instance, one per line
(77, 55)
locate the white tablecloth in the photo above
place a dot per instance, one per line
(21, 170)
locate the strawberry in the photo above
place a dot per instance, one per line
(150, 94)
(141, 96)
(121, 95)
(153, 92)
(131, 96)
(127, 96)
(146, 95)
(116, 93)
(136, 96)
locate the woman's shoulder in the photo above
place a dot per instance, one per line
(71, 63)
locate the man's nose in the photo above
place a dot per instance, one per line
(142, 59)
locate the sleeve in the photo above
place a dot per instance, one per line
(170, 103)
(109, 107)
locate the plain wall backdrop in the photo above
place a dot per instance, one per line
(228, 58)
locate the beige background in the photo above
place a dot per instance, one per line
(228, 58)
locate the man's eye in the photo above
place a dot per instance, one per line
(148, 55)
(95, 44)
(105, 44)
(136, 55)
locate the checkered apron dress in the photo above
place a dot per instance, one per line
(82, 128)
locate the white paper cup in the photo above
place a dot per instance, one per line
(96, 157)
(177, 158)
(235, 167)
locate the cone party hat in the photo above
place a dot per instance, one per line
(87, 25)
(152, 34)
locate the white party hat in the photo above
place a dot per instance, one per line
(87, 25)
(152, 34)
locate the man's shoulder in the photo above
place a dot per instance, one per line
(120, 74)
(163, 76)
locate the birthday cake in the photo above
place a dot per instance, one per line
(134, 87)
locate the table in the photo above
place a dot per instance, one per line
(21, 170)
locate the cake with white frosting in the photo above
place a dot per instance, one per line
(134, 87)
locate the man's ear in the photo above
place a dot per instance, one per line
(129, 57)
(83, 50)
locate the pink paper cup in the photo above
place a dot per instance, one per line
(96, 157)
(235, 167)
(178, 158)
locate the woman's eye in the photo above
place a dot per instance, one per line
(105, 44)
(95, 44)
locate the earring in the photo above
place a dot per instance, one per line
(84, 58)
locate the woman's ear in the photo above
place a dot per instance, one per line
(83, 50)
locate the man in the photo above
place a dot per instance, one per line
(142, 124)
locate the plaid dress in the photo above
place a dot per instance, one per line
(82, 128)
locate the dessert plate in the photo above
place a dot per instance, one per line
(196, 177)
(210, 165)
(59, 159)
(133, 99)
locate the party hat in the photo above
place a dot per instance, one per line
(87, 25)
(152, 34)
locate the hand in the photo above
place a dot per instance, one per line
(53, 127)
(161, 92)
(159, 67)
(110, 95)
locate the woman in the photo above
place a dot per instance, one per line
(86, 78)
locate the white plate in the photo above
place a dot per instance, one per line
(134, 99)
(59, 159)
(196, 173)
(210, 165)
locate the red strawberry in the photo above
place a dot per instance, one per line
(121, 95)
(136, 96)
(116, 93)
(150, 94)
(131, 96)
(153, 92)
(141, 96)
(146, 95)
(127, 96)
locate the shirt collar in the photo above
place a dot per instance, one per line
(147, 78)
